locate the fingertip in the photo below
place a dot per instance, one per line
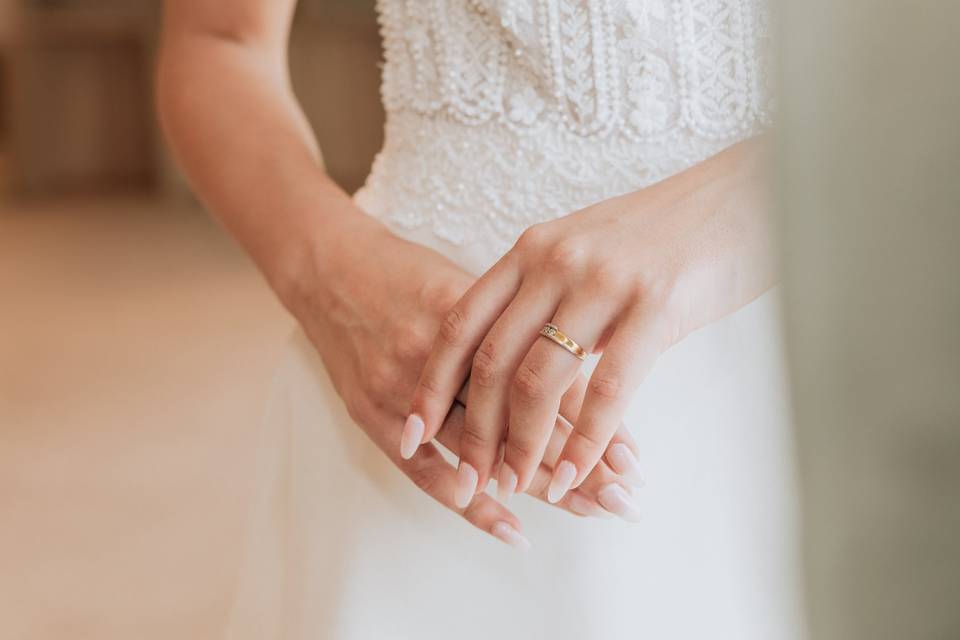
(506, 483)
(624, 462)
(524, 481)
(584, 506)
(466, 488)
(562, 481)
(412, 436)
(510, 535)
(619, 502)
(584, 453)
(624, 435)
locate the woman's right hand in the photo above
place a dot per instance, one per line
(372, 303)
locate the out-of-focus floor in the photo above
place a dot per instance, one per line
(136, 348)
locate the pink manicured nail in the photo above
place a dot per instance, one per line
(506, 483)
(625, 463)
(617, 501)
(466, 485)
(504, 532)
(411, 436)
(563, 477)
(584, 506)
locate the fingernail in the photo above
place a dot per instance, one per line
(411, 436)
(563, 477)
(466, 485)
(506, 483)
(617, 501)
(504, 532)
(625, 463)
(584, 506)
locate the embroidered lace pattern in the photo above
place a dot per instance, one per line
(505, 113)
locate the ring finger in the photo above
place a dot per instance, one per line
(545, 373)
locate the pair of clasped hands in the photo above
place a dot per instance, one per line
(422, 351)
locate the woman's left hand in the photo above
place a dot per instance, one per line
(627, 277)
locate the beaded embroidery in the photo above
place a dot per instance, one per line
(505, 113)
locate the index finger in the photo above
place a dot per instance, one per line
(449, 362)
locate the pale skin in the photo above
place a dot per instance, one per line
(628, 277)
(228, 109)
(401, 330)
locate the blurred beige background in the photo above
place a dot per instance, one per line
(136, 342)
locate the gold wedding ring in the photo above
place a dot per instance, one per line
(551, 331)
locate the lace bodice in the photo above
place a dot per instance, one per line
(504, 113)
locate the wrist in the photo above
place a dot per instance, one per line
(305, 271)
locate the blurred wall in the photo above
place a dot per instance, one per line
(7, 19)
(870, 158)
(79, 99)
(335, 56)
(77, 92)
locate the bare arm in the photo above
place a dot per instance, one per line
(228, 108)
(226, 103)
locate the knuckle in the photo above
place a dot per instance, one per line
(533, 238)
(607, 386)
(426, 478)
(652, 290)
(412, 345)
(528, 385)
(452, 327)
(568, 254)
(608, 278)
(485, 370)
(518, 450)
(382, 380)
(473, 438)
(440, 294)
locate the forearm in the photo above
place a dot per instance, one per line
(239, 134)
(715, 219)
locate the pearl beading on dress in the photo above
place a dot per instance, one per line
(504, 113)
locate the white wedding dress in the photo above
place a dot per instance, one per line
(501, 114)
